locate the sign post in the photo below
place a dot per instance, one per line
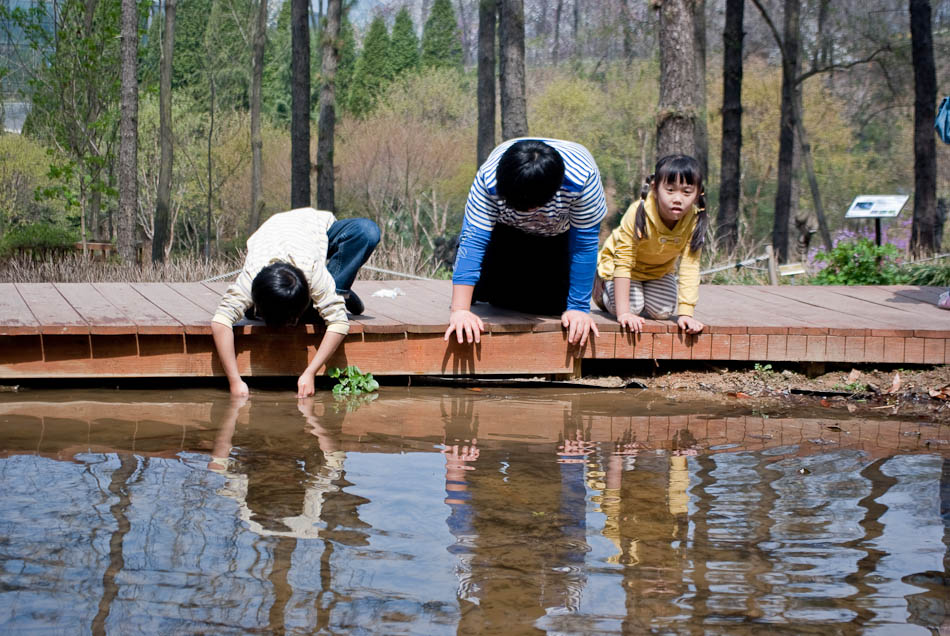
(877, 207)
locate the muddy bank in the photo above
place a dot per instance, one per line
(918, 391)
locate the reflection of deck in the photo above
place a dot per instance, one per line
(420, 419)
(157, 329)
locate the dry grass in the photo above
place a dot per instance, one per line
(73, 268)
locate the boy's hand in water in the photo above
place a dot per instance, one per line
(239, 389)
(305, 384)
(689, 324)
(578, 324)
(631, 321)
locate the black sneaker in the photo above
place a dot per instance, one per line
(353, 303)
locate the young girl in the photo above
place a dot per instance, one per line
(638, 264)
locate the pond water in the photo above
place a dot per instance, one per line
(458, 511)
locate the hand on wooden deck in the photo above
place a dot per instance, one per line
(579, 325)
(631, 321)
(467, 326)
(689, 324)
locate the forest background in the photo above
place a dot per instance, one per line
(406, 102)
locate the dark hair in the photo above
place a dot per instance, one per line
(280, 294)
(674, 169)
(529, 174)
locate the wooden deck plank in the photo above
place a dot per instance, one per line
(759, 312)
(380, 317)
(919, 304)
(839, 309)
(53, 313)
(193, 318)
(200, 295)
(146, 330)
(102, 316)
(15, 316)
(147, 317)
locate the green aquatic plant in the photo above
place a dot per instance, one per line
(352, 381)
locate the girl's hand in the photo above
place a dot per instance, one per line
(631, 321)
(689, 324)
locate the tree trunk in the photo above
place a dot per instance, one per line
(676, 119)
(576, 29)
(699, 46)
(727, 229)
(514, 113)
(326, 198)
(258, 41)
(300, 104)
(160, 233)
(923, 235)
(463, 29)
(629, 38)
(211, 87)
(487, 10)
(556, 49)
(786, 152)
(810, 171)
(128, 133)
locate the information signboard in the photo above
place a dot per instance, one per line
(876, 206)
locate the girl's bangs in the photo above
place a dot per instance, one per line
(676, 168)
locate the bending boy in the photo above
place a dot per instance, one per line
(296, 260)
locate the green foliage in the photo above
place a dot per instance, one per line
(441, 40)
(347, 63)
(37, 236)
(613, 118)
(226, 55)
(373, 72)
(405, 163)
(859, 262)
(351, 381)
(936, 274)
(275, 83)
(24, 166)
(404, 50)
(763, 369)
(852, 387)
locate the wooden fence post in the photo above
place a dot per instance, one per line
(773, 267)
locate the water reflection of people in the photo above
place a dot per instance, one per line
(284, 491)
(460, 448)
(519, 521)
(644, 499)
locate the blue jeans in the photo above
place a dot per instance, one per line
(351, 241)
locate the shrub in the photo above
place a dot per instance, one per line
(935, 274)
(38, 236)
(859, 262)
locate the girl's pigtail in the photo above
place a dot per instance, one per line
(640, 221)
(702, 223)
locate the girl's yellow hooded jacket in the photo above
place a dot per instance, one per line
(626, 256)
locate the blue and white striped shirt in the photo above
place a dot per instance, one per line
(578, 207)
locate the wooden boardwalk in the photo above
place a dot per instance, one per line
(158, 329)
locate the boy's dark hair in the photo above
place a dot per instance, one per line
(673, 169)
(529, 174)
(280, 294)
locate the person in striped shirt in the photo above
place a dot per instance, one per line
(529, 237)
(296, 261)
